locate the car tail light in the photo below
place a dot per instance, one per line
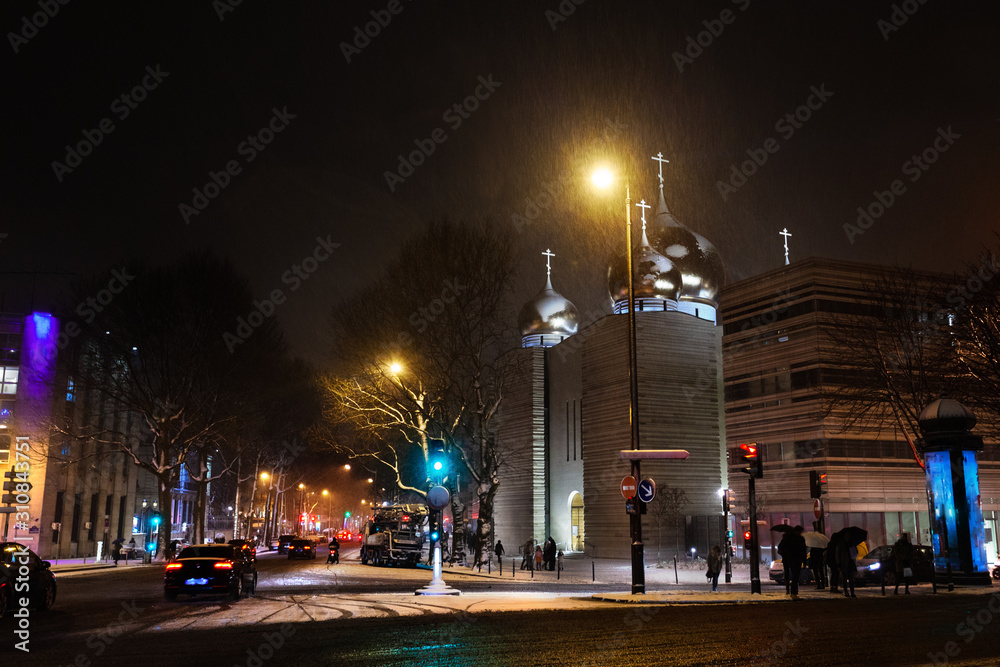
(223, 566)
(307, 547)
(174, 566)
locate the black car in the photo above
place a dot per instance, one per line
(300, 548)
(247, 548)
(41, 581)
(879, 563)
(213, 569)
(283, 543)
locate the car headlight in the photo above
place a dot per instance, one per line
(874, 566)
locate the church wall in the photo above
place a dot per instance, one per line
(565, 439)
(519, 507)
(680, 407)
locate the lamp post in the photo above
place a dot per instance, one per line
(603, 178)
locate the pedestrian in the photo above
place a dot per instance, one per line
(527, 554)
(498, 550)
(550, 554)
(793, 553)
(848, 566)
(831, 562)
(538, 558)
(559, 559)
(715, 566)
(902, 554)
(816, 564)
(116, 552)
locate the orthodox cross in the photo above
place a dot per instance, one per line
(643, 205)
(659, 158)
(548, 262)
(785, 233)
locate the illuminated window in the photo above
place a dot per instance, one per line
(5, 441)
(8, 380)
(70, 391)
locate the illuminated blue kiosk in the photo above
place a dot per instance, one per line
(949, 450)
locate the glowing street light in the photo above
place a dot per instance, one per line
(370, 480)
(603, 178)
(347, 466)
(395, 368)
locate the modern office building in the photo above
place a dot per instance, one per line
(777, 357)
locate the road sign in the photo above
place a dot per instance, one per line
(628, 487)
(438, 497)
(818, 508)
(646, 490)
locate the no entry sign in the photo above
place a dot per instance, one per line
(628, 487)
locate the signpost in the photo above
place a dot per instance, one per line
(438, 498)
(817, 508)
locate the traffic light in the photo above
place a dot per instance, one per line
(817, 484)
(347, 515)
(437, 465)
(435, 526)
(728, 500)
(729, 534)
(746, 537)
(750, 456)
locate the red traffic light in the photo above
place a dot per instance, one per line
(749, 451)
(746, 536)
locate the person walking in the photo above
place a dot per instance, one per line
(816, 564)
(847, 566)
(902, 554)
(498, 550)
(715, 566)
(527, 554)
(538, 558)
(116, 552)
(550, 554)
(831, 562)
(793, 555)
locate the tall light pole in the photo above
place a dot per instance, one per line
(603, 178)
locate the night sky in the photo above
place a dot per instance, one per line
(613, 82)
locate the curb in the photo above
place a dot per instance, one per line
(81, 568)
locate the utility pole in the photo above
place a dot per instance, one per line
(754, 542)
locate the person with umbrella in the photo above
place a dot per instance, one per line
(846, 553)
(816, 542)
(793, 553)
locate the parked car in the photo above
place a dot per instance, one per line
(283, 543)
(301, 548)
(214, 569)
(41, 581)
(870, 567)
(776, 573)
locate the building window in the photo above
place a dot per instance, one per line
(5, 441)
(8, 380)
(74, 529)
(10, 348)
(93, 517)
(57, 515)
(70, 391)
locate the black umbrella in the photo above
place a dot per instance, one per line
(117, 541)
(853, 535)
(783, 528)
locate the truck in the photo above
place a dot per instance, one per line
(394, 535)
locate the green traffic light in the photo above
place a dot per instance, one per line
(347, 514)
(438, 465)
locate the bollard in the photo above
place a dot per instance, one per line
(489, 566)
(676, 580)
(881, 575)
(513, 568)
(593, 572)
(933, 577)
(532, 572)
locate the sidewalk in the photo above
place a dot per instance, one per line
(84, 564)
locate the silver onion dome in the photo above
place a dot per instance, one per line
(548, 318)
(700, 264)
(657, 281)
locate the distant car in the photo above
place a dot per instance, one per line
(345, 536)
(213, 569)
(776, 573)
(247, 547)
(870, 568)
(301, 548)
(283, 543)
(41, 581)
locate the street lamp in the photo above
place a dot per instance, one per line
(603, 178)
(347, 466)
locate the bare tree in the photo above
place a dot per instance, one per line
(891, 357)
(668, 511)
(169, 386)
(420, 364)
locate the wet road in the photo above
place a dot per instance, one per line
(306, 610)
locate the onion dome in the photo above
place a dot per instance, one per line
(549, 318)
(697, 259)
(656, 280)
